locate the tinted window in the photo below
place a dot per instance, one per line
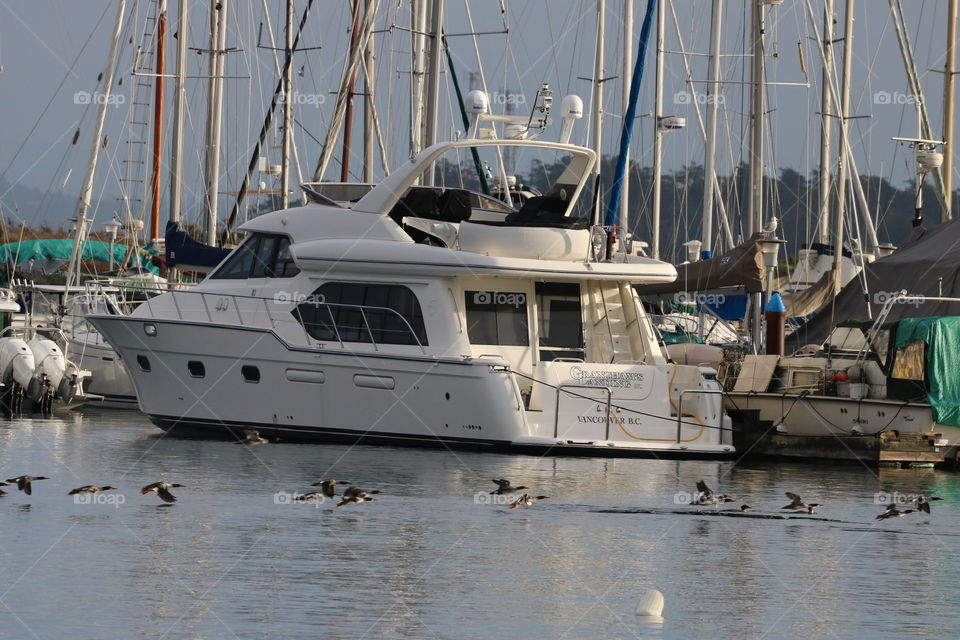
(358, 312)
(497, 317)
(250, 373)
(196, 368)
(560, 324)
(144, 363)
(260, 256)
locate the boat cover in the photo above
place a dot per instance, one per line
(184, 251)
(941, 334)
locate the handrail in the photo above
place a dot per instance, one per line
(556, 411)
(715, 392)
(229, 298)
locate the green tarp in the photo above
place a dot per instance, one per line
(941, 334)
(61, 249)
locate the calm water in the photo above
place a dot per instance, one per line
(231, 560)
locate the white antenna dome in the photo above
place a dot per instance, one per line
(928, 159)
(478, 102)
(571, 107)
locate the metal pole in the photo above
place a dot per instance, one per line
(351, 85)
(826, 122)
(948, 91)
(83, 206)
(755, 211)
(287, 111)
(842, 163)
(160, 47)
(179, 110)
(624, 226)
(369, 85)
(218, 40)
(598, 106)
(418, 22)
(658, 134)
(433, 79)
(713, 91)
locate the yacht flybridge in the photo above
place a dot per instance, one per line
(415, 316)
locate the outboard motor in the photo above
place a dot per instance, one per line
(17, 367)
(50, 371)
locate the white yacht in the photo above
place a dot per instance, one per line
(414, 317)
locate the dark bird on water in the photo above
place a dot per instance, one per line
(356, 495)
(24, 482)
(705, 495)
(328, 487)
(797, 504)
(162, 489)
(923, 502)
(503, 486)
(893, 512)
(526, 500)
(89, 488)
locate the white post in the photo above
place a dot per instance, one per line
(826, 122)
(713, 91)
(418, 28)
(434, 60)
(179, 111)
(948, 91)
(287, 113)
(658, 134)
(86, 191)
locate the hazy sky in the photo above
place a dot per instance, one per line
(52, 50)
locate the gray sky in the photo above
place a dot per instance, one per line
(52, 51)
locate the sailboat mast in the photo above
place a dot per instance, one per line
(434, 61)
(658, 133)
(161, 47)
(713, 92)
(179, 111)
(368, 104)
(757, 107)
(86, 191)
(842, 168)
(418, 28)
(826, 122)
(624, 226)
(949, 71)
(598, 105)
(287, 111)
(351, 87)
(218, 40)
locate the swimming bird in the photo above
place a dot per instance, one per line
(328, 487)
(893, 512)
(251, 437)
(503, 486)
(744, 507)
(162, 489)
(797, 504)
(923, 502)
(705, 495)
(526, 500)
(89, 488)
(311, 496)
(24, 482)
(356, 495)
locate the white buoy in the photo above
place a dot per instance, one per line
(650, 604)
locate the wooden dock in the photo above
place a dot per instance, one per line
(753, 437)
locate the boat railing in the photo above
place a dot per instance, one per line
(683, 392)
(580, 388)
(341, 330)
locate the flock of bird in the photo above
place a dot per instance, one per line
(705, 496)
